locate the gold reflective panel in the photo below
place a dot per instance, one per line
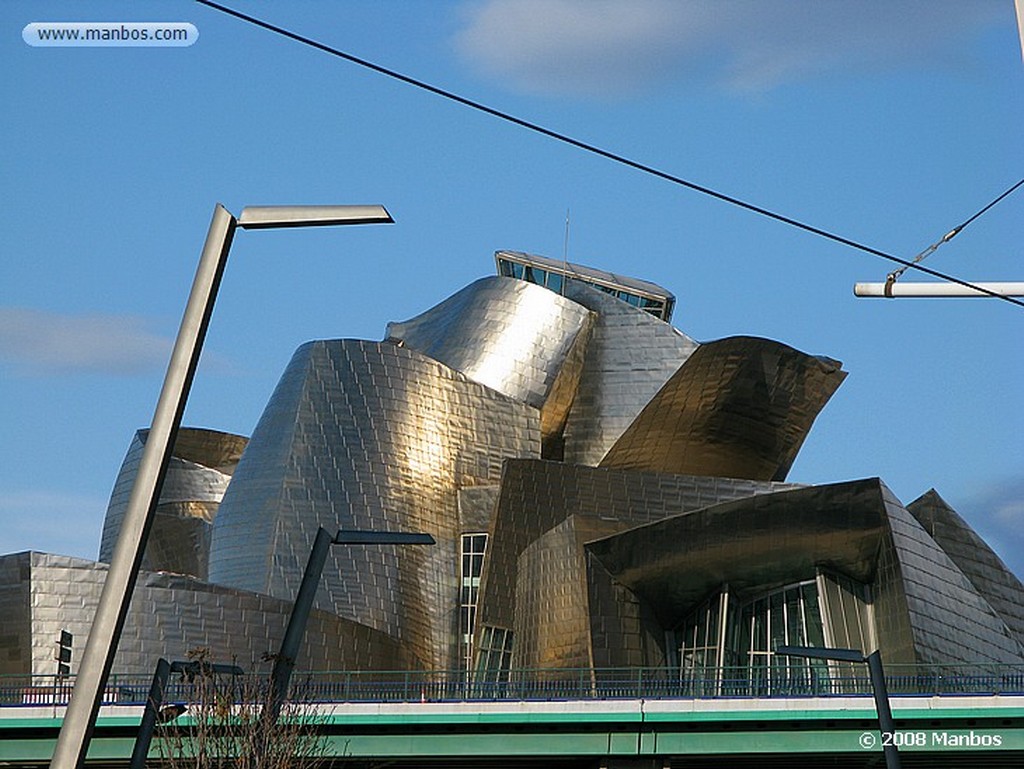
(738, 408)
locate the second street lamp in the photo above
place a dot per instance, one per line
(878, 688)
(284, 663)
(87, 695)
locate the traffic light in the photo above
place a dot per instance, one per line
(63, 655)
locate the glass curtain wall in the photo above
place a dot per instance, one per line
(726, 644)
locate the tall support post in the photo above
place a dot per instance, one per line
(284, 663)
(885, 722)
(149, 715)
(108, 622)
(878, 689)
(87, 696)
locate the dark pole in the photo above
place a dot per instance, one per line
(149, 715)
(878, 688)
(152, 714)
(885, 722)
(284, 663)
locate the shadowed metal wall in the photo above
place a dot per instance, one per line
(365, 435)
(197, 477)
(537, 496)
(169, 616)
(925, 609)
(737, 408)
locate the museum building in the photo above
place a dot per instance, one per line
(603, 490)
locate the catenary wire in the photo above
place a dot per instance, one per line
(621, 159)
(895, 274)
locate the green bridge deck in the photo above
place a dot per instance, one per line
(953, 731)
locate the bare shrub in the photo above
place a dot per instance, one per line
(228, 723)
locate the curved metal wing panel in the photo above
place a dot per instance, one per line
(740, 407)
(372, 436)
(197, 477)
(510, 335)
(762, 540)
(630, 355)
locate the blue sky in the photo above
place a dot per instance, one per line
(885, 122)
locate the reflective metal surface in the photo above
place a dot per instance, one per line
(986, 570)
(169, 615)
(630, 355)
(368, 435)
(546, 511)
(738, 408)
(515, 337)
(592, 477)
(201, 465)
(925, 610)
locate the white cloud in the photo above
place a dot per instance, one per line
(41, 343)
(613, 47)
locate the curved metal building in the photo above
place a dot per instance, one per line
(198, 474)
(604, 491)
(372, 436)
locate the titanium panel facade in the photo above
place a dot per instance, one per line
(738, 408)
(517, 338)
(507, 334)
(925, 609)
(976, 560)
(374, 436)
(169, 616)
(537, 496)
(630, 355)
(197, 477)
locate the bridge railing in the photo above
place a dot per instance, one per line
(775, 681)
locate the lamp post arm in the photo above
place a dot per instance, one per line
(284, 663)
(101, 646)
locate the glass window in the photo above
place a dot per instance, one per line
(505, 268)
(494, 662)
(474, 548)
(555, 282)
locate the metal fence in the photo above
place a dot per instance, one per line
(776, 681)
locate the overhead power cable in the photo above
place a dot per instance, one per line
(566, 139)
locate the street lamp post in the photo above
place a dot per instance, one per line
(284, 662)
(878, 688)
(154, 712)
(108, 622)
